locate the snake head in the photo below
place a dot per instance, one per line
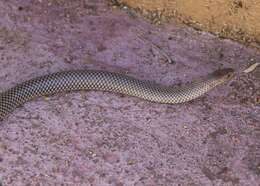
(224, 74)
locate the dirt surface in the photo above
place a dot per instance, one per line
(97, 138)
(235, 19)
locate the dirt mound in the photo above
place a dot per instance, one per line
(236, 19)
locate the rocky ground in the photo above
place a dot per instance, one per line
(97, 138)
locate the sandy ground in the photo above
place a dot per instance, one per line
(97, 138)
(235, 19)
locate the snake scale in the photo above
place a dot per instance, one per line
(107, 81)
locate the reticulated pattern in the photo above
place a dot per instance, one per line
(106, 81)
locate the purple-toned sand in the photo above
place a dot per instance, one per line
(98, 138)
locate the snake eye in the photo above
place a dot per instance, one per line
(229, 75)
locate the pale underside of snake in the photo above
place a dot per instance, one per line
(107, 81)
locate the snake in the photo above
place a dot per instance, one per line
(77, 80)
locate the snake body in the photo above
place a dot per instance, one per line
(106, 81)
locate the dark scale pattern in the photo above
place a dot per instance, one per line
(105, 81)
